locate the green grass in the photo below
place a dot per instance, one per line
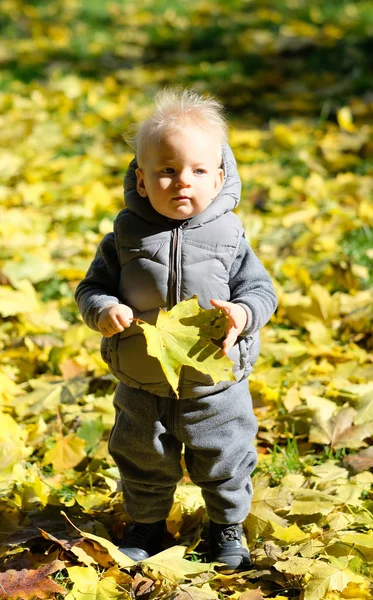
(356, 244)
(282, 461)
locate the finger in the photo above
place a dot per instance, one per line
(124, 320)
(106, 333)
(230, 340)
(104, 315)
(113, 326)
(118, 324)
(220, 304)
(227, 348)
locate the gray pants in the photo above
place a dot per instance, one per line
(217, 431)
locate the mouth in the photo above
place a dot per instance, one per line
(181, 198)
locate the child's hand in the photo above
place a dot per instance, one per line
(237, 319)
(114, 319)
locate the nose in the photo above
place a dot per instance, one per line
(183, 180)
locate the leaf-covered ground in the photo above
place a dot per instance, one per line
(295, 78)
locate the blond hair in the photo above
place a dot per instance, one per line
(174, 107)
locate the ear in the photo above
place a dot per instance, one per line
(140, 186)
(219, 180)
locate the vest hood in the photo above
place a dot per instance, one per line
(227, 199)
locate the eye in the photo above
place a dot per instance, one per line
(168, 170)
(200, 171)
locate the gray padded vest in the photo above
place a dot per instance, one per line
(163, 262)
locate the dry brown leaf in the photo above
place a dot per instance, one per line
(97, 552)
(142, 586)
(363, 461)
(342, 423)
(272, 551)
(347, 435)
(66, 545)
(29, 584)
(70, 368)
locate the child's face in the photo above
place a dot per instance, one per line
(181, 174)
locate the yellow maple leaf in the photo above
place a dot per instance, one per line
(171, 564)
(23, 299)
(12, 444)
(288, 534)
(66, 453)
(182, 337)
(328, 578)
(8, 388)
(88, 586)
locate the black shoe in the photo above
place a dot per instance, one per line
(226, 546)
(143, 540)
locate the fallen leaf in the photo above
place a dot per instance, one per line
(262, 515)
(142, 586)
(339, 431)
(294, 566)
(272, 551)
(29, 584)
(325, 577)
(362, 461)
(114, 553)
(364, 409)
(68, 451)
(88, 586)
(289, 535)
(22, 299)
(311, 502)
(329, 471)
(188, 591)
(13, 448)
(171, 564)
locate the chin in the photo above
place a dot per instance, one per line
(181, 214)
(180, 217)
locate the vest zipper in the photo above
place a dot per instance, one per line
(175, 266)
(174, 284)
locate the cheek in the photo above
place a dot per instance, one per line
(163, 184)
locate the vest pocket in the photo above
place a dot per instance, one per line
(109, 351)
(105, 350)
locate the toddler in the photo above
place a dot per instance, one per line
(178, 237)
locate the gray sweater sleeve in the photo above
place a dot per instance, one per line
(251, 286)
(99, 288)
